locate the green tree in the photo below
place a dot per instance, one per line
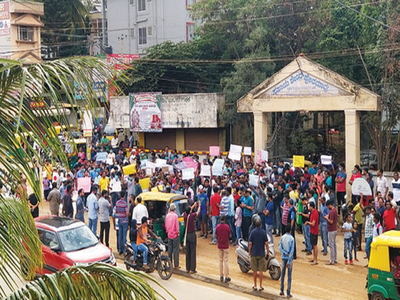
(66, 27)
(20, 248)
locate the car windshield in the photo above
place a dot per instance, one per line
(77, 238)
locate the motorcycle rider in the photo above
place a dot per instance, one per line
(142, 240)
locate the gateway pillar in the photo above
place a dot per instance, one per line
(352, 143)
(260, 130)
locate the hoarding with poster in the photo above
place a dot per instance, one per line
(145, 112)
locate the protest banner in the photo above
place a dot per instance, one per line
(326, 160)
(101, 156)
(145, 184)
(145, 112)
(253, 180)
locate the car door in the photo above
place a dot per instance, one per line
(51, 261)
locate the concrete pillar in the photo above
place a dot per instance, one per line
(180, 139)
(260, 130)
(352, 143)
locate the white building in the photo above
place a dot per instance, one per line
(135, 25)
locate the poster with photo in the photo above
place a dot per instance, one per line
(145, 112)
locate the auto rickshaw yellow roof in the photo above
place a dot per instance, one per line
(166, 197)
(389, 238)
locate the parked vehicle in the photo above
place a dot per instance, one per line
(155, 259)
(67, 242)
(369, 159)
(157, 205)
(243, 260)
(383, 281)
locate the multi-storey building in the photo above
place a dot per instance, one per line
(135, 25)
(20, 30)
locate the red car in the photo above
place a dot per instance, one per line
(67, 242)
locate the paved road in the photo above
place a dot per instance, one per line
(183, 288)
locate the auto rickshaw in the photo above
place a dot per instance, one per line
(384, 267)
(157, 206)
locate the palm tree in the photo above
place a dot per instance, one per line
(20, 249)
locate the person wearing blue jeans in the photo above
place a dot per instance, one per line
(121, 212)
(214, 220)
(323, 211)
(122, 232)
(286, 247)
(306, 228)
(348, 244)
(141, 240)
(93, 225)
(369, 229)
(268, 217)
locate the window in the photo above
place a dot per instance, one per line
(141, 5)
(189, 3)
(25, 33)
(143, 36)
(190, 31)
(47, 238)
(149, 30)
(132, 32)
(131, 2)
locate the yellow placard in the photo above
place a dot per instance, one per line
(128, 170)
(145, 183)
(298, 161)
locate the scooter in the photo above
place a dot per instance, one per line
(273, 265)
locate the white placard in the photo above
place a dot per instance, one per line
(188, 174)
(326, 160)
(247, 151)
(149, 172)
(150, 165)
(160, 162)
(253, 180)
(116, 187)
(205, 171)
(264, 155)
(217, 167)
(109, 161)
(171, 170)
(360, 185)
(235, 152)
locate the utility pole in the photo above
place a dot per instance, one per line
(104, 41)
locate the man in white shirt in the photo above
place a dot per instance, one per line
(114, 144)
(396, 187)
(382, 184)
(190, 190)
(139, 212)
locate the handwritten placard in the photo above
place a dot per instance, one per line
(264, 155)
(235, 152)
(84, 183)
(130, 169)
(326, 160)
(101, 156)
(187, 174)
(217, 167)
(360, 185)
(253, 180)
(298, 161)
(247, 150)
(145, 184)
(205, 171)
(214, 151)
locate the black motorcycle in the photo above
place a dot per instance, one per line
(155, 259)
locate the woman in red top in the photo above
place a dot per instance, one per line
(356, 174)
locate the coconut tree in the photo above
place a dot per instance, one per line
(24, 122)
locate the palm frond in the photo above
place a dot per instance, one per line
(97, 281)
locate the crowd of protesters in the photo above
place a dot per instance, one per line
(307, 200)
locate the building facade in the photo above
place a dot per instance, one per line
(135, 25)
(20, 30)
